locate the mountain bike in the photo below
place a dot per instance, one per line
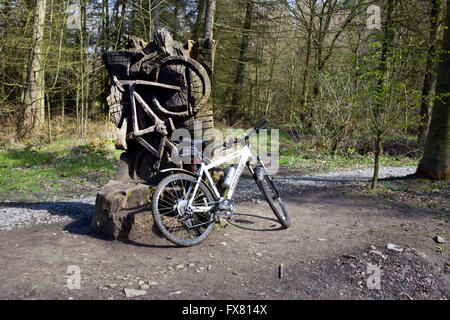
(148, 111)
(186, 206)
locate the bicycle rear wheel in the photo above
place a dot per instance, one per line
(270, 192)
(172, 215)
(194, 83)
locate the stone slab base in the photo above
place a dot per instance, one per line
(116, 206)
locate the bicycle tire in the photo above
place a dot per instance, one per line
(169, 221)
(267, 188)
(193, 80)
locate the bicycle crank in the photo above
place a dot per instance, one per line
(226, 208)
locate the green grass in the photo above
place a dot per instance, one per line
(321, 162)
(70, 167)
(424, 186)
(310, 158)
(64, 168)
(306, 157)
(431, 196)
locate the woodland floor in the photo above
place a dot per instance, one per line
(337, 230)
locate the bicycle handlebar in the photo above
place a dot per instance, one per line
(232, 141)
(260, 125)
(255, 129)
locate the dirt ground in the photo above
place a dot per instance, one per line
(325, 254)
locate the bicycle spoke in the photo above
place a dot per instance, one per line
(178, 221)
(193, 81)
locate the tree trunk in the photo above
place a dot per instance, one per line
(209, 19)
(106, 44)
(40, 100)
(378, 151)
(239, 80)
(63, 102)
(436, 158)
(105, 26)
(196, 32)
(430, 75)
(176, 22)
(306, 73)
(119, 21)
(33, 93)
(49, 124)
(156, 14)
(269, 95)
(2, 78)
(388, 36)
(82, 20)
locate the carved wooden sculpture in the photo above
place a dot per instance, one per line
(156, 88)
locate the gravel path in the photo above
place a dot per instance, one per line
(353, 175)
(24, 214)
(248, 191)
(21, 214)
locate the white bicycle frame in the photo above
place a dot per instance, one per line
(244, 154)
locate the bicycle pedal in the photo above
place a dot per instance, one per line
(232, 218)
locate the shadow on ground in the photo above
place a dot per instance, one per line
(79, 212)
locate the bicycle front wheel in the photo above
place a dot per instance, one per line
(191, 78)
(270, 192)
(180, 223)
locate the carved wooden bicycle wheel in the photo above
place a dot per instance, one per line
(194, 83)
